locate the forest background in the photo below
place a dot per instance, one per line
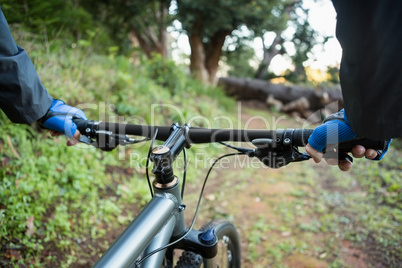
(58, 205)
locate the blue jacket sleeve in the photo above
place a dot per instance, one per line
(23, 98)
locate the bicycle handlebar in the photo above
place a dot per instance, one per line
(299, 137)
(195, 134)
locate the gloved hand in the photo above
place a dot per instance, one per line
(59, 119)
(336, 129)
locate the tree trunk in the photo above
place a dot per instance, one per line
(204, 58)
(163, 41)
(151, 40)
(214, 53)
(269, 54)
(197, 59)
(289, 95)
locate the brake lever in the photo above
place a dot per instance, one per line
(302, 157)
(85, 139)
(107, 140)
(276, 154)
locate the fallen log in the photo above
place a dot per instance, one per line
(292, 97)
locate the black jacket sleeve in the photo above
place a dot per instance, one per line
(23, 98)
(370, 33)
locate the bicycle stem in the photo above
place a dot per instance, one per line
(163, 156)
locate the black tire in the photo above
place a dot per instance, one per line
(228, 248)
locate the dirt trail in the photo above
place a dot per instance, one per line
(274, 212)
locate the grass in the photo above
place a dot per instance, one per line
(371, 213)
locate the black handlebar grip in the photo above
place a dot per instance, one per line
(300, 136)
(82, 124)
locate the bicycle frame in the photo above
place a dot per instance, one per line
(161, 219)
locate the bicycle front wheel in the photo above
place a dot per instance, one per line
(228, 248)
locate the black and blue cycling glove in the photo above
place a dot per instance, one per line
(336, 129)
(59, 118)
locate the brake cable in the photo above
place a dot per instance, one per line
(240, 149)
(147, 164)
(184, 173)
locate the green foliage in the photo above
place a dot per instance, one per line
(384, 179)
(54, 188)
(239, 61)
(304, 40)
(145, 20)
(224, 15)
(165, 73)
(333, 73)
(209, 23)
(50, 17)
(63, 198)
